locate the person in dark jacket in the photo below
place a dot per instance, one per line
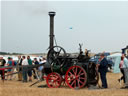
(35, 69)
(103, 68)
(2, 63)
(36, 62)
(19, 69)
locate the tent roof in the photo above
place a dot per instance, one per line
(115, 55)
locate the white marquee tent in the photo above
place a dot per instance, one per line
(116, 58)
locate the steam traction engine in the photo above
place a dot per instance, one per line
(64, 69)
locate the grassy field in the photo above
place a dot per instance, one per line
(16, 88)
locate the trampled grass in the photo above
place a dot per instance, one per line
(16, 88)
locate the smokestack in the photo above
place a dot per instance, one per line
(51, 14)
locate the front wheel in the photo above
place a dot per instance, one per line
(53, 80)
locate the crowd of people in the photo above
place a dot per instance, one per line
(24, 73)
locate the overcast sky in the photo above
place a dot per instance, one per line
(99, 25)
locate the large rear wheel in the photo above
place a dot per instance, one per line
(76, 77)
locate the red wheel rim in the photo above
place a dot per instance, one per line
(76, 77)
(53, 80)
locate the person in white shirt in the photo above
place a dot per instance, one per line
(24, 62)
(41, 68)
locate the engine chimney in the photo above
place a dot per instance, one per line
(51, 14)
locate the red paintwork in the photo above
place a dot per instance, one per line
(53, 80)
(76, 77)
(3, 69)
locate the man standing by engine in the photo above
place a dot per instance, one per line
(103, 68)
(2, 63)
